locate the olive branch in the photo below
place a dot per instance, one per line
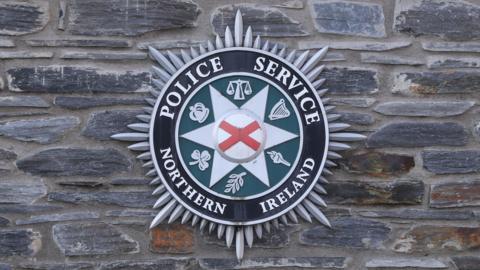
(235, 182)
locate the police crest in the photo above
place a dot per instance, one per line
(238, 137)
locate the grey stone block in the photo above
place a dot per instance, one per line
(102, 125)
(406, 263)
(106, 56)
(390, 59)
(43, 131)
(349, 18)
(424, 108)
(274, 262)
(79, 239)
(76, 79)
(98, 18)
(58, 217)
(133, 199)
(20, 18)
(439, 46)
(78, 103)
(466, 262)
(163, 264)
(419, 214)
(75, 161)
(264, 21)
(25, 55)
(447, 162)
(376, 46)
(432, 83)
(109, 43)
(23, 101)
(57, 266)
(348, 233)
(350, 81)
(454, 20)
(21, 191)
(418, 134)
(438, 62)
(19, 242)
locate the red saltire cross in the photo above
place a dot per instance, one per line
(239, 135)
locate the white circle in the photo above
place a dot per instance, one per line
(239, 136)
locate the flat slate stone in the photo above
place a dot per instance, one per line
(274, 262)
(23, 101)
(349, 81)
(440, 62)
(98, 18)
(265, 21)
(25, 55)
(354, 118)
(376, 46)
(170, 44)
(172, 239)
(78, 103)
(466, 262)
(58, 266)
(21, 191)
(430, 83)
(407, 263)
(433, 238)
(4, 266)
(377, 164)
(353, 102)
(418, 134)
(4, 222)
(349, 18)
(109, 43)
(347, 233)
(6, 155)
(424, 108)
(28, 208)
(446, 162)
(19, 242)
(43, 131)
(6, 43)
(78, 239)
(389, 59)
(419, 214)
(71, 79)
(106, 56)
(58, 217)
(163, 264)
(292, 4)
(439, 46)
(102, 125)
(133, 199)
(75, 161)
(20, 18)
(448, 19)
(455, 194)
(375, 193)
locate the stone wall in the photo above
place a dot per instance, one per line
(404, 73)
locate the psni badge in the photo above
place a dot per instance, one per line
(238, 138)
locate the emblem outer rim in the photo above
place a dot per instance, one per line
(293, 204)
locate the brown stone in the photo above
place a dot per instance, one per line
(435, 238)
(172, 238)
(456, 194)
(377, 164)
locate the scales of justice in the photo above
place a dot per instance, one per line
(239, 88)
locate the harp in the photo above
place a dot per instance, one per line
(279, 111)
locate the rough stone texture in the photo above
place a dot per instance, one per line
(268, 263)
(429, 17)
(126, 199)
(375, 193)
(466, 262)
(389, 59)
(108, 56)
(25, 55)
(355, 46)
(21, 191)
(432, 83)
(416, 263)
(451, 46)
(455, 194)
(424, 108)
(367, 234)
(172, 238)
(74, 161)
(163, 264)
(110, 43)
(4, 266)
(43, 131)
(20, 18)
(377, 164)
(76, 239)
(347, 81)
(6, 158)
(439, 62)
(445, 162)
(170, 44)
(430, 238)
(28, 208)
(97, 17)
(102, 125)
(349, 18)
(414, 214)
(78, 103)
(264, 21)
(19, 242)
(6, 43)
(24, 101)
(69, 79)
(58, 217)
(57, 266)
(417, 134)
(353, 102)
(4, 222)
(362, 119)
